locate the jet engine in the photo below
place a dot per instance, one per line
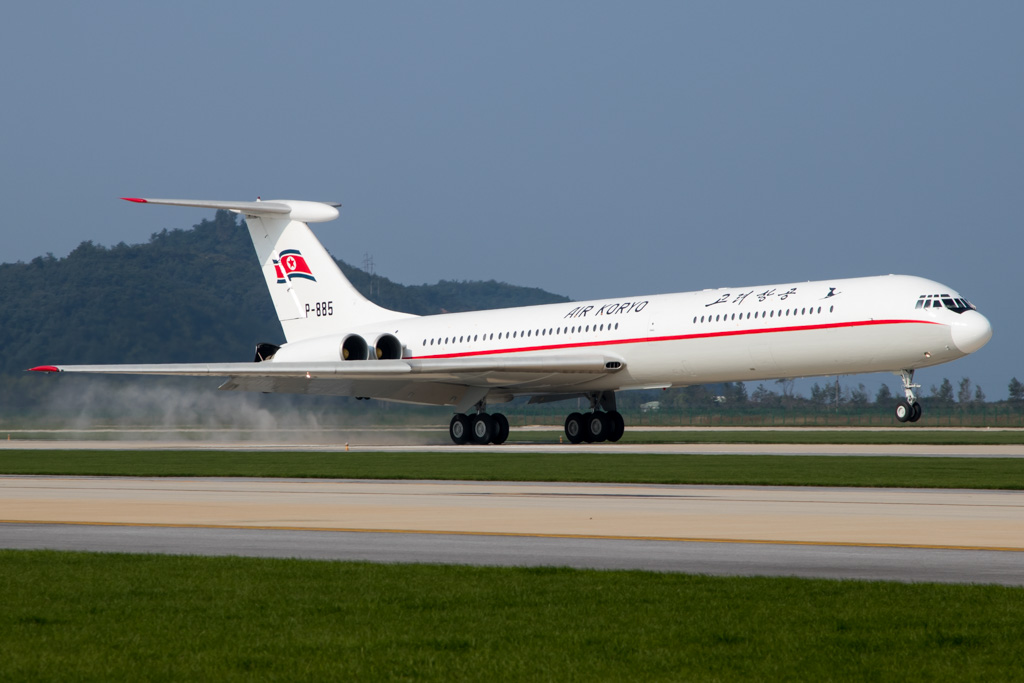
(353, 347)
(387, 347)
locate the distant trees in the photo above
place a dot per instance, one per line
(944, 393)
(184, 296)
(197, 295)
(963, 395)
(1016, 391)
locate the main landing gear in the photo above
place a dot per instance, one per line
(908, 409)
(594, 427)
(480, 429)
(602, 423)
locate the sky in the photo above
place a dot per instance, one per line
(594, 149)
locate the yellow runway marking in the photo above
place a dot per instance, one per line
(671, 539)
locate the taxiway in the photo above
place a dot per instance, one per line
(897, 534)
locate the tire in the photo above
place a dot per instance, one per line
(903, 411)
(458, 429)
(616, 426)
(500, 429)
(595, 427)
(915, 412)
(574, 428)
(481, 428)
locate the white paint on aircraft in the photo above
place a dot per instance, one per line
(340, 343)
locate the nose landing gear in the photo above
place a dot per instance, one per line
(908, 409)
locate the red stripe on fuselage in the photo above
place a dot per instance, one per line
(678, 337)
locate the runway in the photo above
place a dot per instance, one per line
(897, 534)
(400, 441)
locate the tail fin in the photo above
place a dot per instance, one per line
(312, 296)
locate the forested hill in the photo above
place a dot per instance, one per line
(185, 296)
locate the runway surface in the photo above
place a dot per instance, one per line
(400, 441)
(898, 534)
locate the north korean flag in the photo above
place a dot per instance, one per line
(291, 266)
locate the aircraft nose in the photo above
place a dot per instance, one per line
(971, 331)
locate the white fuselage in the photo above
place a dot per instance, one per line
(800, 329)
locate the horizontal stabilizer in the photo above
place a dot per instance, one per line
(305, 212)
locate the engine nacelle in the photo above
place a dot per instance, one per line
(387, 347)
(353, 347)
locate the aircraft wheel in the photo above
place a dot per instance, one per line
(903, 411)
(616, 425)
(915, 412)
(574, 428)
(500, 429)
(458, 429)
(596, 427)
(482, 428)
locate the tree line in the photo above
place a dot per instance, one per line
(197, 295)
(186, 295)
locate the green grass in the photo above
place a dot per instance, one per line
(904, 436)
(769, 470)
(79, 616)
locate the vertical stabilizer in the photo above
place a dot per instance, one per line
(311, 295)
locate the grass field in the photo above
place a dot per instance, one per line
(930, 437)
(79, 616)
(909, 472)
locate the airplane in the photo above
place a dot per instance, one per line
(339, 343)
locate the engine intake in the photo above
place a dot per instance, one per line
(265, 351)
(353, 347)
(387, 347)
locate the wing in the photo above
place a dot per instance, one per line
(434, 381)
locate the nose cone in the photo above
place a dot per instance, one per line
(971, 331)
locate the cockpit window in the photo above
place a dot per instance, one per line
(955, 304)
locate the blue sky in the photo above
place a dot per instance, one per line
(593, 149)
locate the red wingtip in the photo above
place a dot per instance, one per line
(135, 199)
(44, 368)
